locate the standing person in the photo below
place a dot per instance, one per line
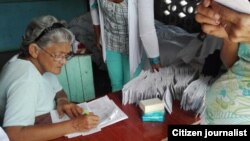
(29, 86)
(228, 99)
(124, 27)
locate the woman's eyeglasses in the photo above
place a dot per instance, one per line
(59, 57)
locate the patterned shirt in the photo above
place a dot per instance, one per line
(228, 99)
(116, 25)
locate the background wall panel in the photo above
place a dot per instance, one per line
(16, 14)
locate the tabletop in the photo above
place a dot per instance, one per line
(133, 128)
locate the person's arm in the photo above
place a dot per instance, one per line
(95, 20)
(20, 112)
(51, 131)
(64, 106)
(97, 30)
(228, 53)
(148, 32)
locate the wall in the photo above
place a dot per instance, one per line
(16, 14)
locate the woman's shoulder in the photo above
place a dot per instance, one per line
(16, 69)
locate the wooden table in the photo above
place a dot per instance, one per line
(133, 129)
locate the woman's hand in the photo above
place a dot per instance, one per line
(236, 24)
(65, 107)
(155, 67)
(223, 22)
(155, 63)
(210, 19)
(85, 122)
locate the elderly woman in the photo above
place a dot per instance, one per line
(29, 86)
(228, 100)
(127, 27)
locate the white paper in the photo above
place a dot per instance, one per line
(3, 135)
(238, 5)
(102, 107)
(108, 112)
(168, 101)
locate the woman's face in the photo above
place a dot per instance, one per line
(53, 57)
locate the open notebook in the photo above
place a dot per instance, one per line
(108, 112)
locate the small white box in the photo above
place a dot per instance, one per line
(151, 105)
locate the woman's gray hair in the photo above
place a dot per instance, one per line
(35, 33)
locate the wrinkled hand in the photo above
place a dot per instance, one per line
(210, 19)
(71, 109)
(85, 122)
